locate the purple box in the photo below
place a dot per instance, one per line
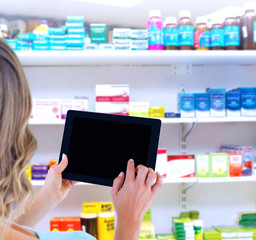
(38, 176)
(40, 168)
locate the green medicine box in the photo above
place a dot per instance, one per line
(98, 33)
(202, 165)
(219, 164)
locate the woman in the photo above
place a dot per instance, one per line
(131, 194)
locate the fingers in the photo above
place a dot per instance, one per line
(117, 184)
(142, 173)
(62, 165)
(151, 177)
(130, 171)
(158, 183)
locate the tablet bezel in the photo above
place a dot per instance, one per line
(72, 114)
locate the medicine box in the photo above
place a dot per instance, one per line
(180, 166)
(233, 104)
(139, 109)
(106, 46)
(138, 34)
(98, 33)
(235, 164)
(112, 93)
(73, 104)
(202, 104)
(156, 112)
(121, 33)
(122, 44)
(27, 37)
(65, 224)
(139, 44)
(119, 108)
(219, 164)
(217, 102)
(91, 207)
(56, 31)
(74, 24)
(46, 110)
(78, 31)
(72, 19)
(248, 102)
(186, 104)
(202, 165)
(161, 162)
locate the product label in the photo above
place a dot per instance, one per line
(218, 101)
(155, 36)
(217, 38)
(171, 37)
(202, 102)
(202, 38)
(186, 35)
(232, 36)
(248, 101)
(233, 101)
(219, 165)
(244, 31)
(187, 103)
(254, 31)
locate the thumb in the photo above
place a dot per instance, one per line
(117, 184)
(62, 165)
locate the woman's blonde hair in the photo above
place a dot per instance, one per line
(17, 144)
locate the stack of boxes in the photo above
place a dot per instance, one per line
(25, 41)
(121, 39)
(75, 32)
(58, 38)
(39, 171)
(147, 228)
(29, 172)
(65, 224)
(112, 99)
(183, 228)
(139, 39)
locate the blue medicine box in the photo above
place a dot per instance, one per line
(202, 102)
(217, 102)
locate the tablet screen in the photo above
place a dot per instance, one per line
(100, 148)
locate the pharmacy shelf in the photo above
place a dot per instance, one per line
(227, 179)
(181, 180)
(168, 120)
(154, 58)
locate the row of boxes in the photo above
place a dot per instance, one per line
(216, 102)
(232, 161)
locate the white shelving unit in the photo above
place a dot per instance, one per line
(153, 77)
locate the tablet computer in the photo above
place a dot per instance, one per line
(99, 145)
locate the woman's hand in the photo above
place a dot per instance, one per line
(54, 184)
(132, 196)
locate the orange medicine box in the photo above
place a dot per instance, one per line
(235, 165)
(65, 224)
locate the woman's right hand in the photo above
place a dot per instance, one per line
(132, 196)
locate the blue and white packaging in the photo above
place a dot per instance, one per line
(217, 102)
(106, 46)
(72, 19)
(76, 31)
(248, 102)
(75, 42)
(91, 46)
(57, 31)
(202, 104)
(187, 105)
(27, 37)
(74, 24)
(58, 37)
(233, 104)
(12, 43)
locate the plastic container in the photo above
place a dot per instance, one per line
(89, 223)
(248, 27)
(186, 31)
(217, 35)
(201, 34)
(106, 226)
(155, 31)
(171, 34)
(231, 32)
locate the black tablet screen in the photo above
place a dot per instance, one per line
(102, 148)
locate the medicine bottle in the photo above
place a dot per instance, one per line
(155, 30)
(170, 33)
(201, 34)
(248, 27)
(217, 35)
(89, 223)
(106, 226)
(231, 32)
(186, 31)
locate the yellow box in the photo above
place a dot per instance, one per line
(156, 112)
(107, 207)
(91, 207)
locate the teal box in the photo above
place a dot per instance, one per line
(27, 37)
(58, 42)
(40, 43)
(75, 48)
(41, 48)
(58, 48)
(76, 31)
(74, 25)
(12, 43)
(57, 31)
(75, 19)
(75, 42)
(202, 104)
(217, 102)
(58, 37)
(75, 36)
(98, 33)
(233, 104)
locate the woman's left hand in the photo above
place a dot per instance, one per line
(54, 184)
